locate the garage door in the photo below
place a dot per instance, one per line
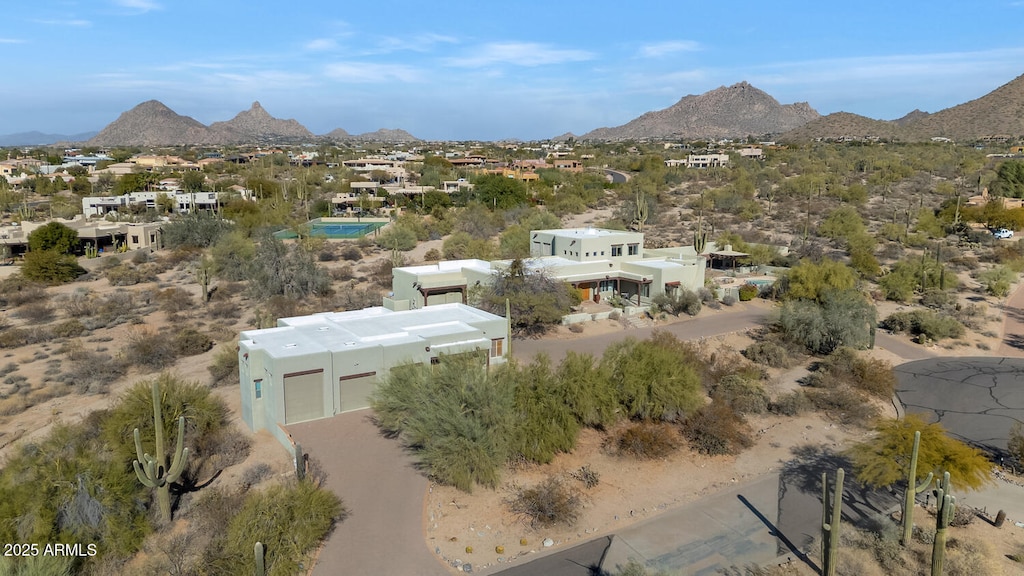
(303, 396)
(356, 390)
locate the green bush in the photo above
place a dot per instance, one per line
(128, 275)
(843, 318)
(68, 329)
(742, 395)
(681, 302)
(748, 292)
(453, 417)
(150, 349)
(396, 237)
(652, 381)
(768, 353)
(190, 342)
(545, 424)
(224, 368)
(50, 267)
(925, 323)
(290, 521)
(585, 386)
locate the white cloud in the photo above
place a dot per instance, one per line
(11, 41)
(321, 45)
(370, 72)
(519, 54)
(69, 22)
(414, 43)
(140, 6)
(659, 49)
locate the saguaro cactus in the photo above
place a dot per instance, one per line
(642, 209)
(830, 524)
(152, 471)
(257, 550)
(913, 489)
(945, 503)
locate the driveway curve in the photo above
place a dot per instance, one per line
(383, 492)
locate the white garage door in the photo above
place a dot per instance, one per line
(303, 396)
(356, 390)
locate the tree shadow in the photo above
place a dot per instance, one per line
(862, 505)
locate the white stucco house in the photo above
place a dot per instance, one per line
(312, 367)
(599, 263)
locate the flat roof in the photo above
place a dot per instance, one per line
(366, 328)
(448, 266)
(585, 232)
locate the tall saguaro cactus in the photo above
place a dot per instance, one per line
(258, 552)
(152, 471)
(642, 209)
(830, 524)
(946, 504)
(913, 489)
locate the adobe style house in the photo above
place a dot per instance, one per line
(598, 263)
(312, 367)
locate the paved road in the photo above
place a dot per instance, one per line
(978, 399)
(1013, 324)
(616, 176)
(740, 317)
(383, 492)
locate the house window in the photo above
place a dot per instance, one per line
(602, 252)
(616, 249)
(259, 388)
(135, 239)
(645, 290)
(634, 249)
(607, 286)
(435, 361)
(496, 346)
(588, 253)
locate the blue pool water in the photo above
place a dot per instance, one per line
(334, 230)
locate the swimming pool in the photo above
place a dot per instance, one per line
(334, 230)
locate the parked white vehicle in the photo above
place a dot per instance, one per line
(1003, 233)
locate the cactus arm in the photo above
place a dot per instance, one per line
(924, 484)
(946, 503)
(913, 488)
(139, 455)
(143, 475)
(260, 561)
(180, 453)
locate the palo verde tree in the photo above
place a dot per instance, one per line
(885, 459)
(53, 236)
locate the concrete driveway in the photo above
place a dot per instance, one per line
(383, 492)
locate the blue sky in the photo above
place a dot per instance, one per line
(489, 70)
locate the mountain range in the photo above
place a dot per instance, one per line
(154, 124)
(735, 111)
(998, 113)
(739, 110)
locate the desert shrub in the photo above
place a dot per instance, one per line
(748, 292)
(224, 368)
(843, 404)
(17, 337)
(281, 270)
(549, 503)
(225, 310)
(587, 476)
(728, 300)
(91, 372)
(351, 253)
(327, 255)
(150, 349)
(936, 298)
(213, 452)
(651, 381)
(963, 516)
(255, 474)
(68, 329)
(342, 274)
(585, 386)
(381, 273)
(127, 275)
(680, 302)
(924, 323)
(844, 318)
(433, 255)
(742, 395)
(17, 290)
(453, 417)
(397, 237)
(35, 312)
(845, 367)
(793, 403)
(190, 342)
(50, 267)
(644, 440)
(716, 429)
(969, 557)
(174, 300)
(768, 353)
(997, 281)
(545, 425)
(290, 520)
